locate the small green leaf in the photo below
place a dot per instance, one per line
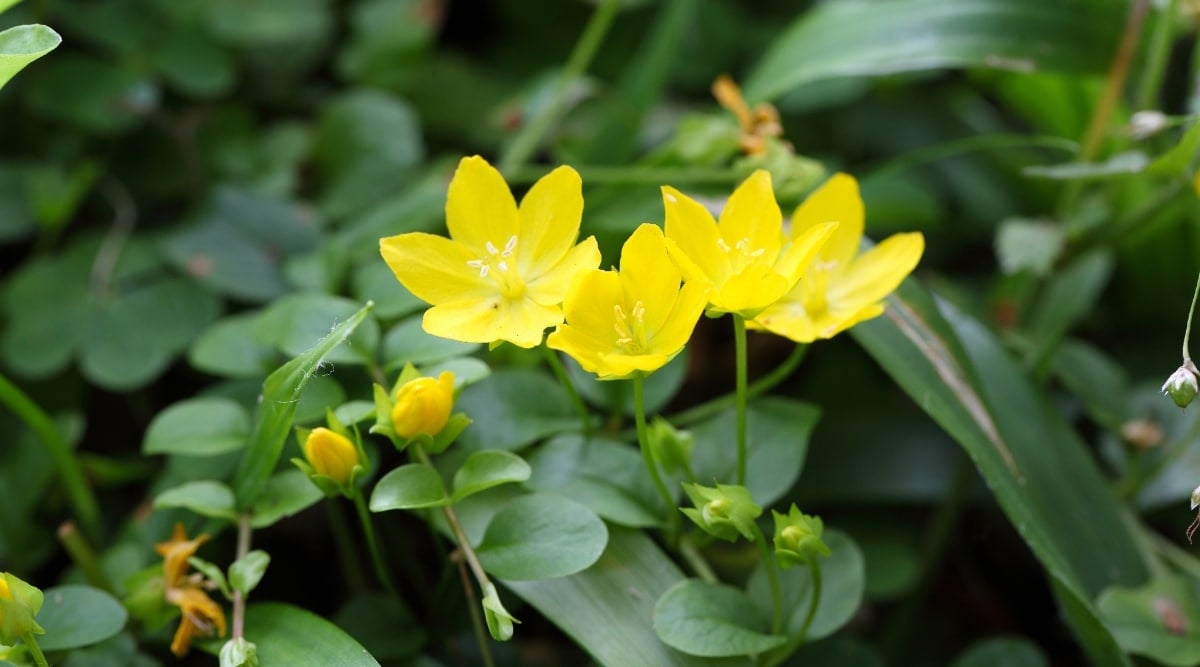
(213, 572)
(541, 536)
(75, 616)
(1160, 620)
(1178, 160)
(247, 571)
(228, 348)
(204, 497)
(23, 44)
(286, 493)
(1001, 652)
(607, 476)
(297, 321)
(287, 635)
(408, 487)
(712, 620)
(518, 406)
(198, 427)
(488, 468)
(407, 343)
(1121, 164)
(843, 579)
(374, 281)
(1029, 244)
(383, 624)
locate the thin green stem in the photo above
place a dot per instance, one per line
(38, 656)
(477, 623)
(814, 570)
(528, 138)
(347, 556)
(79, 494)
(1156, 57)
(639, 415)
(696, 561)
(239, 598)
(739, 352)
(460, 536)
(760, 386)
(1187, 331)
(83, 556)
(768, 556)
(381, 571)
(560, 372)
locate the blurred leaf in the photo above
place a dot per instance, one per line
(712, 620)
(287, 635)
(387, 40)
(285, 493)
(257, 23)
(93, 95)
(607, 476)
(204, 497)
(407, 343)
(1001, 652)
(541, 536)
(229, 348)
(518, 407)
(192, 63)
(661, 386)
(247, 571)
(411, 486)
(858, 37)
(486, 469)
(608, 608)
(47, 307)
(273, 421)
(74, 616)
(374, 281)
(23, 44)
(1097, 380)
(383, 624)
(1121, 164)
(1068, 297)
(56, 193)
(1160, 620)
(321, 392)
(197, 427)
(117, 651)
(295, 322)
(1031, 245)
(1178, 160)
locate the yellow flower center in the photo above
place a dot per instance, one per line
(5, 594)
(716, 509)
(498, 265)
(741, 253)
(816, 285)
(631, 327)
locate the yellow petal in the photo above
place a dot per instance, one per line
(580, 344)
(434, 268)
(838, 200)
(648, 275)
(589, 306)
(479, 206)
(677, 328)
(752, 214)
(550, 288)
(835, 322)
(520, 322)
(694, 238)
(549, 221)
(803, 250)
(618, 365)
(750, 291)
(786, 318)
(877, 273)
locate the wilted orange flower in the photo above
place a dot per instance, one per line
(199, 613)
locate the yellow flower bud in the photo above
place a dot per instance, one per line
(331, 454)
(5, 594)
(423, 405)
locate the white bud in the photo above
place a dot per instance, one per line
(1183, 385)
(1146, 123)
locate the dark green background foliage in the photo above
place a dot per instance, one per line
(192, 193)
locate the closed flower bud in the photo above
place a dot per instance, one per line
(1182, 385)
(798, 538)
(423, 405)
(19, 603)
(672, 448)
(723, 512)
(331, 454)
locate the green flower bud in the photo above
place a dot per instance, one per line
(19, 603)
(672, 448)
(723, 512)
(499, 621)
(798, 538)
(1183, 384)
(239, 653)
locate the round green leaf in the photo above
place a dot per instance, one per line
(75, 616)
(467, 370)
(607, 476)
(541, 536)
(409, 487)
(296, 322)
(488, 468)
(228, 348)
(374, 281)
(518, 407)
(1002, 652)
(407, 343)
(287, 635)
(198, 427)
(712, 620)
(204, 497)
(843, 580)
(285, 493)
(383, 624)
(247, 571)
(321, 392)
(1160, 619)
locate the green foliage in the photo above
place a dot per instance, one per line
(74, 616)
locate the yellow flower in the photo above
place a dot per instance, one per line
(199, 613)
(635, 319)
(745, 259)
(330, 454)
(841, 287)
(423, 405)
(503, 273)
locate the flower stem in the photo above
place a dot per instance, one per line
(460, 536)
(639, 415)
(815, 570)
(347, 555)
(528, 138)
(560, 372)
(38, 656)
(373, 546)
(1187, 331)
(760, 386)
(481, 637)
(693, 557)
(739, 351)
(1156, 58)
(773, 577)
(239, 598)
(79, 494)
(83, 556)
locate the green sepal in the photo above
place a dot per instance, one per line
(17, 613)
(723, 512)
(499, 621)
(454, 427)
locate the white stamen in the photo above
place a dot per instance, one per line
(510, 245)
(503, 265)
(723, 245)
(492, 250)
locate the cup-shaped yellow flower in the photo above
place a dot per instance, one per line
(503, 273)
(331, 454)
(423, 405)
(841, 287)
(634, 319)
(745, 258)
